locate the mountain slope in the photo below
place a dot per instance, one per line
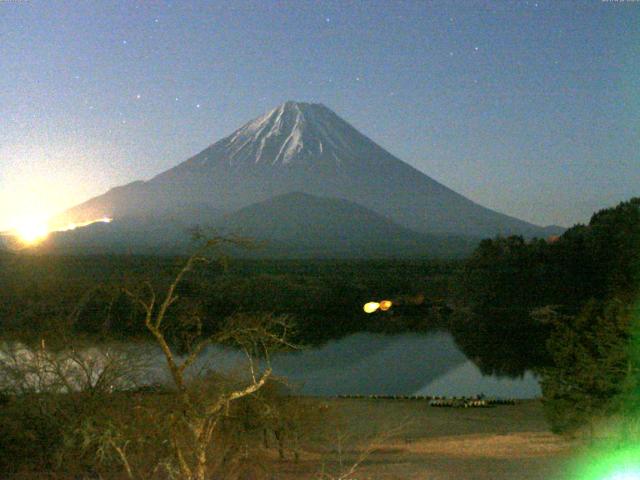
(307, 148)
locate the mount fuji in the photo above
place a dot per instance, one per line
(299, 148)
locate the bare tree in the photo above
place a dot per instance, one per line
(76, 367)
(185, 430)
(347, 467)
(202, 400)
(51, 391)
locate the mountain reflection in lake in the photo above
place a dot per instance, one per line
(366, 363)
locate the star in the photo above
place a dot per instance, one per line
(124, 42)
(328, 20)
(197, 105)
(476, 48)
(138, 96)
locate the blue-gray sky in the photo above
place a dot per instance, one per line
(531, 107)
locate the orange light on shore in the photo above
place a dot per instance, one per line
(385, 305)
(371, 307)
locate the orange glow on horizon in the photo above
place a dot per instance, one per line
(31, 231)
(73, 226)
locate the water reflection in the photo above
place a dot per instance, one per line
(359, 364)
(408, 364)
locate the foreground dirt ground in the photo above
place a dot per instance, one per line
(407, 439)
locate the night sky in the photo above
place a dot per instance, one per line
(531, 108)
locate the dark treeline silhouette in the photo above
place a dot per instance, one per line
(323, 297)
(563, 305)
(498, 288)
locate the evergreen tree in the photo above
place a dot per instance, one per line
(592, 367)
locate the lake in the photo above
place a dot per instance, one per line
(407, 364)
(358, 364)
(370, 364)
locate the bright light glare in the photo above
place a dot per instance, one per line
(610, 463)
(371, 307)
(624, 475)
(31, 230)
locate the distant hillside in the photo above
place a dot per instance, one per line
(299, 224)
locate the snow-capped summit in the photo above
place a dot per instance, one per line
(290, 132)
(293, 132)
(303, 147)
(288, 128)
